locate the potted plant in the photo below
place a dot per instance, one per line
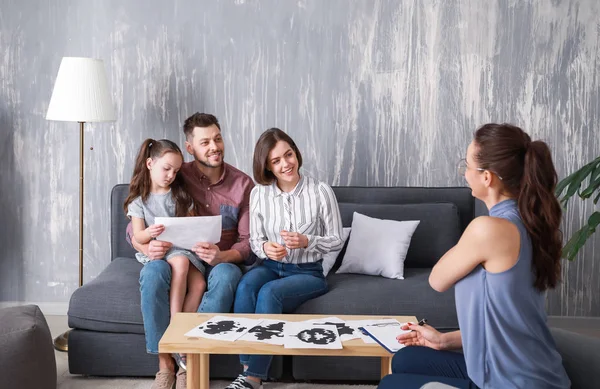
(588, 177)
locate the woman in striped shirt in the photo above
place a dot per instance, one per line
(294, 221)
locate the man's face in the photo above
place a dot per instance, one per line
(206, 145)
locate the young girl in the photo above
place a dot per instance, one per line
(157, 191)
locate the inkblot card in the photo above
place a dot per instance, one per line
(223, 328)
(268, 331)
(345, 331)
(308, 335)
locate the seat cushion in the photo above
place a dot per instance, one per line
(356, 294)
(438, 230)
(110, 302)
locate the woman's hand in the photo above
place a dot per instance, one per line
(155, 230)
(294, 240)
(274, 251)
(424, 335)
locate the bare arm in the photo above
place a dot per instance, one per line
(140, 232)
(427, 336)
(492, 242)
(460, 260)
(156, 249)
(452, 340)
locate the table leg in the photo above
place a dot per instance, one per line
(386, 366)
(198, 376)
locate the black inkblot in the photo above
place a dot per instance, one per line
(317, 336)
(342, 328)
(220, 327)
(268, 332)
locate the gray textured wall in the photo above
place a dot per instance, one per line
(374, 92)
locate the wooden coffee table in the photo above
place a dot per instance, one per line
(198, 350)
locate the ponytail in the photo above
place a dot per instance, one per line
(528, 175)
(541, 214)
(140, 179)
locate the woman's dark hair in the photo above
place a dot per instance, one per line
(264, 145)
(141, 182)
(528, 175)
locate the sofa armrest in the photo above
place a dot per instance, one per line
(581, 357)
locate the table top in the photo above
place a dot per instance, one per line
(175, 341)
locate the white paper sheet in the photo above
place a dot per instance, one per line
(308, 335)
(385, 335)
(185, 232)
(268, 331)
(361, 323)
(223, 328)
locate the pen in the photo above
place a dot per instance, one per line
(422, 322)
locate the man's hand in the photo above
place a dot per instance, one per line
(426, 336)
(208, 252)
(274, 251)
(294, 240)
(155, 230)
(157, 249)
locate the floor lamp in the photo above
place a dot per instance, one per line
(81, 95)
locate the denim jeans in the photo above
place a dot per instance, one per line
(414, 366)
(275, 287)
(155, 283)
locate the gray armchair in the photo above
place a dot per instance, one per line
(581, 358)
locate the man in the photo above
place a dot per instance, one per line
(219, 189)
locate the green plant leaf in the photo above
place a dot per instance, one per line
(597, 198)
(594, 221)
(572, 183)
(592, 187)
(579, 238)
(576, 243)
(575, 181)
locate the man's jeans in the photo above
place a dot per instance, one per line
(155, 284)
(275, 287)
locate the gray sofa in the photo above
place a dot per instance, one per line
(108, 335)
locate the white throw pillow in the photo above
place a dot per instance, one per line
(330, 257)
(378, 247)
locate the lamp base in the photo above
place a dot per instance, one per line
(61, 342)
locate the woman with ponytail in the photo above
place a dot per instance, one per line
(500, 270)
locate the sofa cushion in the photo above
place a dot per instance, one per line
(110, 302)
(438, 231)
(355, 294)
(378, 247)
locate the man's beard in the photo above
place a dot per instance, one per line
(206, 162)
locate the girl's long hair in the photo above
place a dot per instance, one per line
(528, 175)
(141, 182)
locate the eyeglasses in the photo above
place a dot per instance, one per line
(463, 166)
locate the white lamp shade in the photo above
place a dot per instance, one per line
(81, 92)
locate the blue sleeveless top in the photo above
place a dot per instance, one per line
(502, 318)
